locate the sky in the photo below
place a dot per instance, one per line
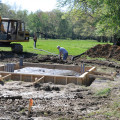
(32, 5)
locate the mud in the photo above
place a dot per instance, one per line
(58, 102)
(49, 101)
(53, 102)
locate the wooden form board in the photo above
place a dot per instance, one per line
(87, 80)
(56, 79)
(76, 68)
(81, 80)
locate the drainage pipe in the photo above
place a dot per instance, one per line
(45, 51)
(82, 68)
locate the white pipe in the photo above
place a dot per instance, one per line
(45, 51)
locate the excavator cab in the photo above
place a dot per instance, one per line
(13, 31)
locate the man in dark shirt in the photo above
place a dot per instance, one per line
(35, 39)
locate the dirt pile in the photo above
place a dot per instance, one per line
(9, 56)
(105, 51)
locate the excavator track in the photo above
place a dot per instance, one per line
(17, 48)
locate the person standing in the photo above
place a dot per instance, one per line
(35, 39)
(62, 51)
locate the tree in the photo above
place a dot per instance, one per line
(54, 21)
(4, 11)
(63, 28)
(109, 24)
(34, 23)
(22, 15)
(0, 5)
(104, 12)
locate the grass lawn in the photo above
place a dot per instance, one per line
(74, 47)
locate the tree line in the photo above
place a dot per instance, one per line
(102, 15)
(84, 19)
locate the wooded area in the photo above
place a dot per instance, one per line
(84, 19)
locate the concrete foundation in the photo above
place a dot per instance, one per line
(46, 71)
(81, 79)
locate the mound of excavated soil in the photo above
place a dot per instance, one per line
(105, 51)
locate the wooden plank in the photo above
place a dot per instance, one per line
(108, 74)
(61, 80)
(66, 81)
(71, 80)
(103, 77)
(6, 76)
(89, 80)
(101, 73)
(57, 79)
(54, 80)
(34, 77)
(2, 79)
(37, 81)
(80, 81)
(49, 79)
(15, 77)
(76, 68)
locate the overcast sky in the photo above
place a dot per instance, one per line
(32, 5)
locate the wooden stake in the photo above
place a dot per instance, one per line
(2, 78)
(36, 81)
(6, 76)
(30, 106)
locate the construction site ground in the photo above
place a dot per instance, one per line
(99, 101)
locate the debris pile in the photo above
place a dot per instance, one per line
(105, 51)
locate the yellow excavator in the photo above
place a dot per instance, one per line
(12, 30)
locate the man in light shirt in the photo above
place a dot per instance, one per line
(62, 51)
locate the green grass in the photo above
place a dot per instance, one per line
(74, 47)
(5, 49)
(89, 58)
(104, 92)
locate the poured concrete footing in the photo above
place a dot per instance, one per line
(83, 79)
